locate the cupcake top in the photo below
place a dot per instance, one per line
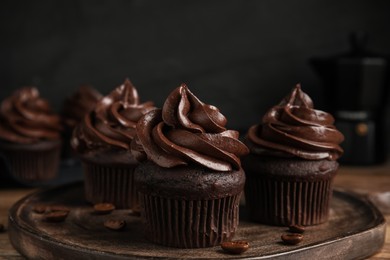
(77, 105)
(186, 130)
(293, 128)
(26, 118)
(111, 125)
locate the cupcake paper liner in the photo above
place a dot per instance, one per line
(285, 203)
(32, 165)
(111, 184)
(189, 223)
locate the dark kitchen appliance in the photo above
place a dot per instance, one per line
(356, 86)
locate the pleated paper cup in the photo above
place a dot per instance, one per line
(30, 163)
(284, 192)
(110, 184)
(190, 223)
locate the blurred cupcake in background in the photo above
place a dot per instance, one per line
(74, 108)
(30, 136)
(102, 141)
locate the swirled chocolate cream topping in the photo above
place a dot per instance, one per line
(186, 130)
(294, 128)
(27, 118)
(111, 125)
(77, 105)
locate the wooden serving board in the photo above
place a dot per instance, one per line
(356, 229)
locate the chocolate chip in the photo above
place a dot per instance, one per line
(39, 208)
(296, 229)
(2, 228)
(235, 247)
(323, 167)
(292, 238)
(103, 208)
(55, 216)
(115, 224)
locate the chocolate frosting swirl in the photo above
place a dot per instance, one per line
(187, 130)
(27, 118)
(111, 125)
(294, 128)
(77, 105)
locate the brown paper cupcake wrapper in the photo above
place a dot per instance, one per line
(33, 165)
(111, 184)
(285, 203)
(189, 224)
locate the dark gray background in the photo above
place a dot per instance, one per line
(241, 56)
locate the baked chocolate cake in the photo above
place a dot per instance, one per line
(102, 140)
(74, 108)
(292, 162)
(29, 136)
(190, 179)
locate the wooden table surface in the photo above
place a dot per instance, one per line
(373, 181)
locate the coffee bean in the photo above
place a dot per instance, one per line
(55, 216)
(115, 224)
(292, 238)
(103, 208)
(296, 229)
(2, 228)
(235, 247)
(39, 208)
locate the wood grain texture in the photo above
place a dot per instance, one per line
(355, 230)
(7, 198)
(373, 181)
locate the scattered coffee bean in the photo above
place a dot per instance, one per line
(292, 238)
(2, 228)
(55, 216)
(235, 247)
(103, 208)
(114, 224)
(39, 208)
(296, 229)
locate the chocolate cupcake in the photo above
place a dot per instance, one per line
(102, 140)
(190, 179)
(292, 163)
(29, 136)
(74, 108)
